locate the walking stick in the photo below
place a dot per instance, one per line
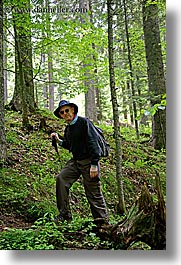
(54, 144)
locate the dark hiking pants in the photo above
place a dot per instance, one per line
(64, 180)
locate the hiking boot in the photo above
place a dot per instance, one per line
(101, 222)
(60, 218)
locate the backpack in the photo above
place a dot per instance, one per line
(103, 144)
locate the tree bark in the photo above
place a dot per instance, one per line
(89, 79)
(45, 85)
(22, 95)
(98, 105)
(90, 105)
(50, 62)
(131, 71)
(155, 70)
(25, 48)
(125, 113)
(118, 154)
(5, 58)
(2, 129)
(51, 85)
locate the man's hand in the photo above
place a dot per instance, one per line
(94, 171)
(56, 137)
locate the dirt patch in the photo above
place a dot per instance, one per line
(10, 221)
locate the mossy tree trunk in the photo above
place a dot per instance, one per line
(22, 86)
(22, 22)
(155, 69)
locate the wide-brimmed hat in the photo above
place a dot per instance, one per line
(63, 103)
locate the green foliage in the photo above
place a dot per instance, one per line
(43, 235)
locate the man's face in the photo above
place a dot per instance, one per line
(67, 113)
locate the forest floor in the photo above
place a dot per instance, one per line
(27, 185)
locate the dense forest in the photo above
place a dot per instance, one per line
(108, 57)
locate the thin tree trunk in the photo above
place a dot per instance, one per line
(89, 83)
(50, 62)
(130, 105)
(2, 129)
(118, 154)
(28, 71)
(124, 101)
(5, 59)
(131, 71)
(45, 86)
(5, 74)
(50, 79)
(95, 77)
(36, 94)
(98, 105)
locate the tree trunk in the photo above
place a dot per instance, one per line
(25, 48)
(155, 69)
(5, 58)
(89, 83)
(131, 71)
(45, 85)
(98, 112)
(28, 71)
(90, 104)
(50, 79)
(50, 62)
(24, 105)
(130, 105)
(98, 105)
(2, 129)
(16, 100)
(125, 113)
(118, 154)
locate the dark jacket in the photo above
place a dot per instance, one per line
(81, 139)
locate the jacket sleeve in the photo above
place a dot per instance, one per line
(92, 142)
(65, 143)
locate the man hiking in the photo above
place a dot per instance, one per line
(81, 140)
